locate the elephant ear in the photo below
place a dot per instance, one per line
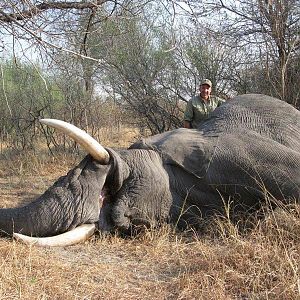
(118, 173)
(185, 148)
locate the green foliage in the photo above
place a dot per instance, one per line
(26, 94)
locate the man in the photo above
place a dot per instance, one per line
(201, 106)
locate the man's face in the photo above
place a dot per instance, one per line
(205, 91)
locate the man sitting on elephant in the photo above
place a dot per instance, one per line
(201, 106)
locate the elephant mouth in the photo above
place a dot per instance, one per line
(105, 223)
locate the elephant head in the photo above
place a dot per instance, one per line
(105, 190)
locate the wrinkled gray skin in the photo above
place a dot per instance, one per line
(248, 149)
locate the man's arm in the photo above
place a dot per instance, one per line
(188, 115)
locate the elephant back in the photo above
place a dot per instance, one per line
(268, 116)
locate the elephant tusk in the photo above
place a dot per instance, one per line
(81, 137)
(72, 237)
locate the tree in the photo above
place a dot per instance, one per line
(268, 30)
(137, 74)
(146, 57)
(27, 95)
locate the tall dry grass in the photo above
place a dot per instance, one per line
(222, 262)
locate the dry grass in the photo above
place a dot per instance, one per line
(221, 263)
(122, 138)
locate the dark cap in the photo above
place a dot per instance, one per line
(206, 81)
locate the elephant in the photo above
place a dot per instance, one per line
(247, 151)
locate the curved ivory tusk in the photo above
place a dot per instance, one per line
(72, 237)
(81, 137)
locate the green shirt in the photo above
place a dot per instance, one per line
(197, 109)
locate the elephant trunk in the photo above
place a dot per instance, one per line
(14, 220)
(61, 208)
(35, 219)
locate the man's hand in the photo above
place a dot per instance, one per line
(187, 124)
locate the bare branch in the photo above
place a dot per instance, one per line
(37, 9)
